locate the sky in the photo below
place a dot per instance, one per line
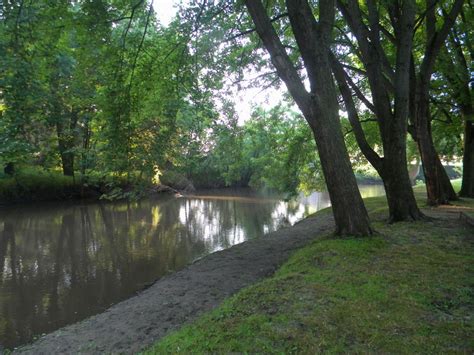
(244, 99)
(165, 10)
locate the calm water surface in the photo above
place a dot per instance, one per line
(62, 262)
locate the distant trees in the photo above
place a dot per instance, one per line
(94, 86)
(19, 94)
(274, 150)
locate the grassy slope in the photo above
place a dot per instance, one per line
(408, 289)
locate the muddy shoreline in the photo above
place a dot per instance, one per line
(136, 323)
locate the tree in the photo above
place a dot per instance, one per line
(458, 51)
(20, 93)
(319, 106)
(388, 83)
(438, 186)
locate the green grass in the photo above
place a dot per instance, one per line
(37, 184)
(408, 289)
(33, 184)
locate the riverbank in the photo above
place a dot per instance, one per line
(331, 281)
(409, 289)
(34, 184)
(39, 185)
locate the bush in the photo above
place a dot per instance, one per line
(34, 184)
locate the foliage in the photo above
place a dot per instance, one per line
(97, 85)
(273, 150)
(100, 88)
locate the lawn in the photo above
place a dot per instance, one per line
(409, 288)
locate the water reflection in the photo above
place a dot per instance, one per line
(60, 263)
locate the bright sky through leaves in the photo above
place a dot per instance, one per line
(244, 99)
(165, 10)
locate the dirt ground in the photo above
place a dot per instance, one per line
(172, 301)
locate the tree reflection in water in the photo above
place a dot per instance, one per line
(60, 263)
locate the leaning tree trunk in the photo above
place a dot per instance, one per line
(467, 187)
(319, 107)
(438, 186)
(392, 168)
(347, 205)
(399, 193)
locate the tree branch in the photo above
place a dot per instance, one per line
(353, 116)
(437, 39)
(252, 30)
(280, 59)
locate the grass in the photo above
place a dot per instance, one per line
(408, 289)
(32, 184)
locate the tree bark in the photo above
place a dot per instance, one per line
(400, 198)
(383, 81)
(348, 208)
(438, 185)
(460, 83)
(392, 168)
(319, 107)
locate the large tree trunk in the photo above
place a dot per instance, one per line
(438, 186)
(467, 187)
(393, 167)
(400, 198)
(319, 107)
(390, 96)
(401, 203)
(347, 205)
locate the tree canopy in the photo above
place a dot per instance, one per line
(100, 88)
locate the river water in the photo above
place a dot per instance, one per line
(62, 262)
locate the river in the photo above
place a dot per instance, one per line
(62, 262)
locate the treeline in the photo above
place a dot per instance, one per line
(105, 94)
(101, 88)
(96, 87)
(272, 150)
(114, 100)
(384, 64)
